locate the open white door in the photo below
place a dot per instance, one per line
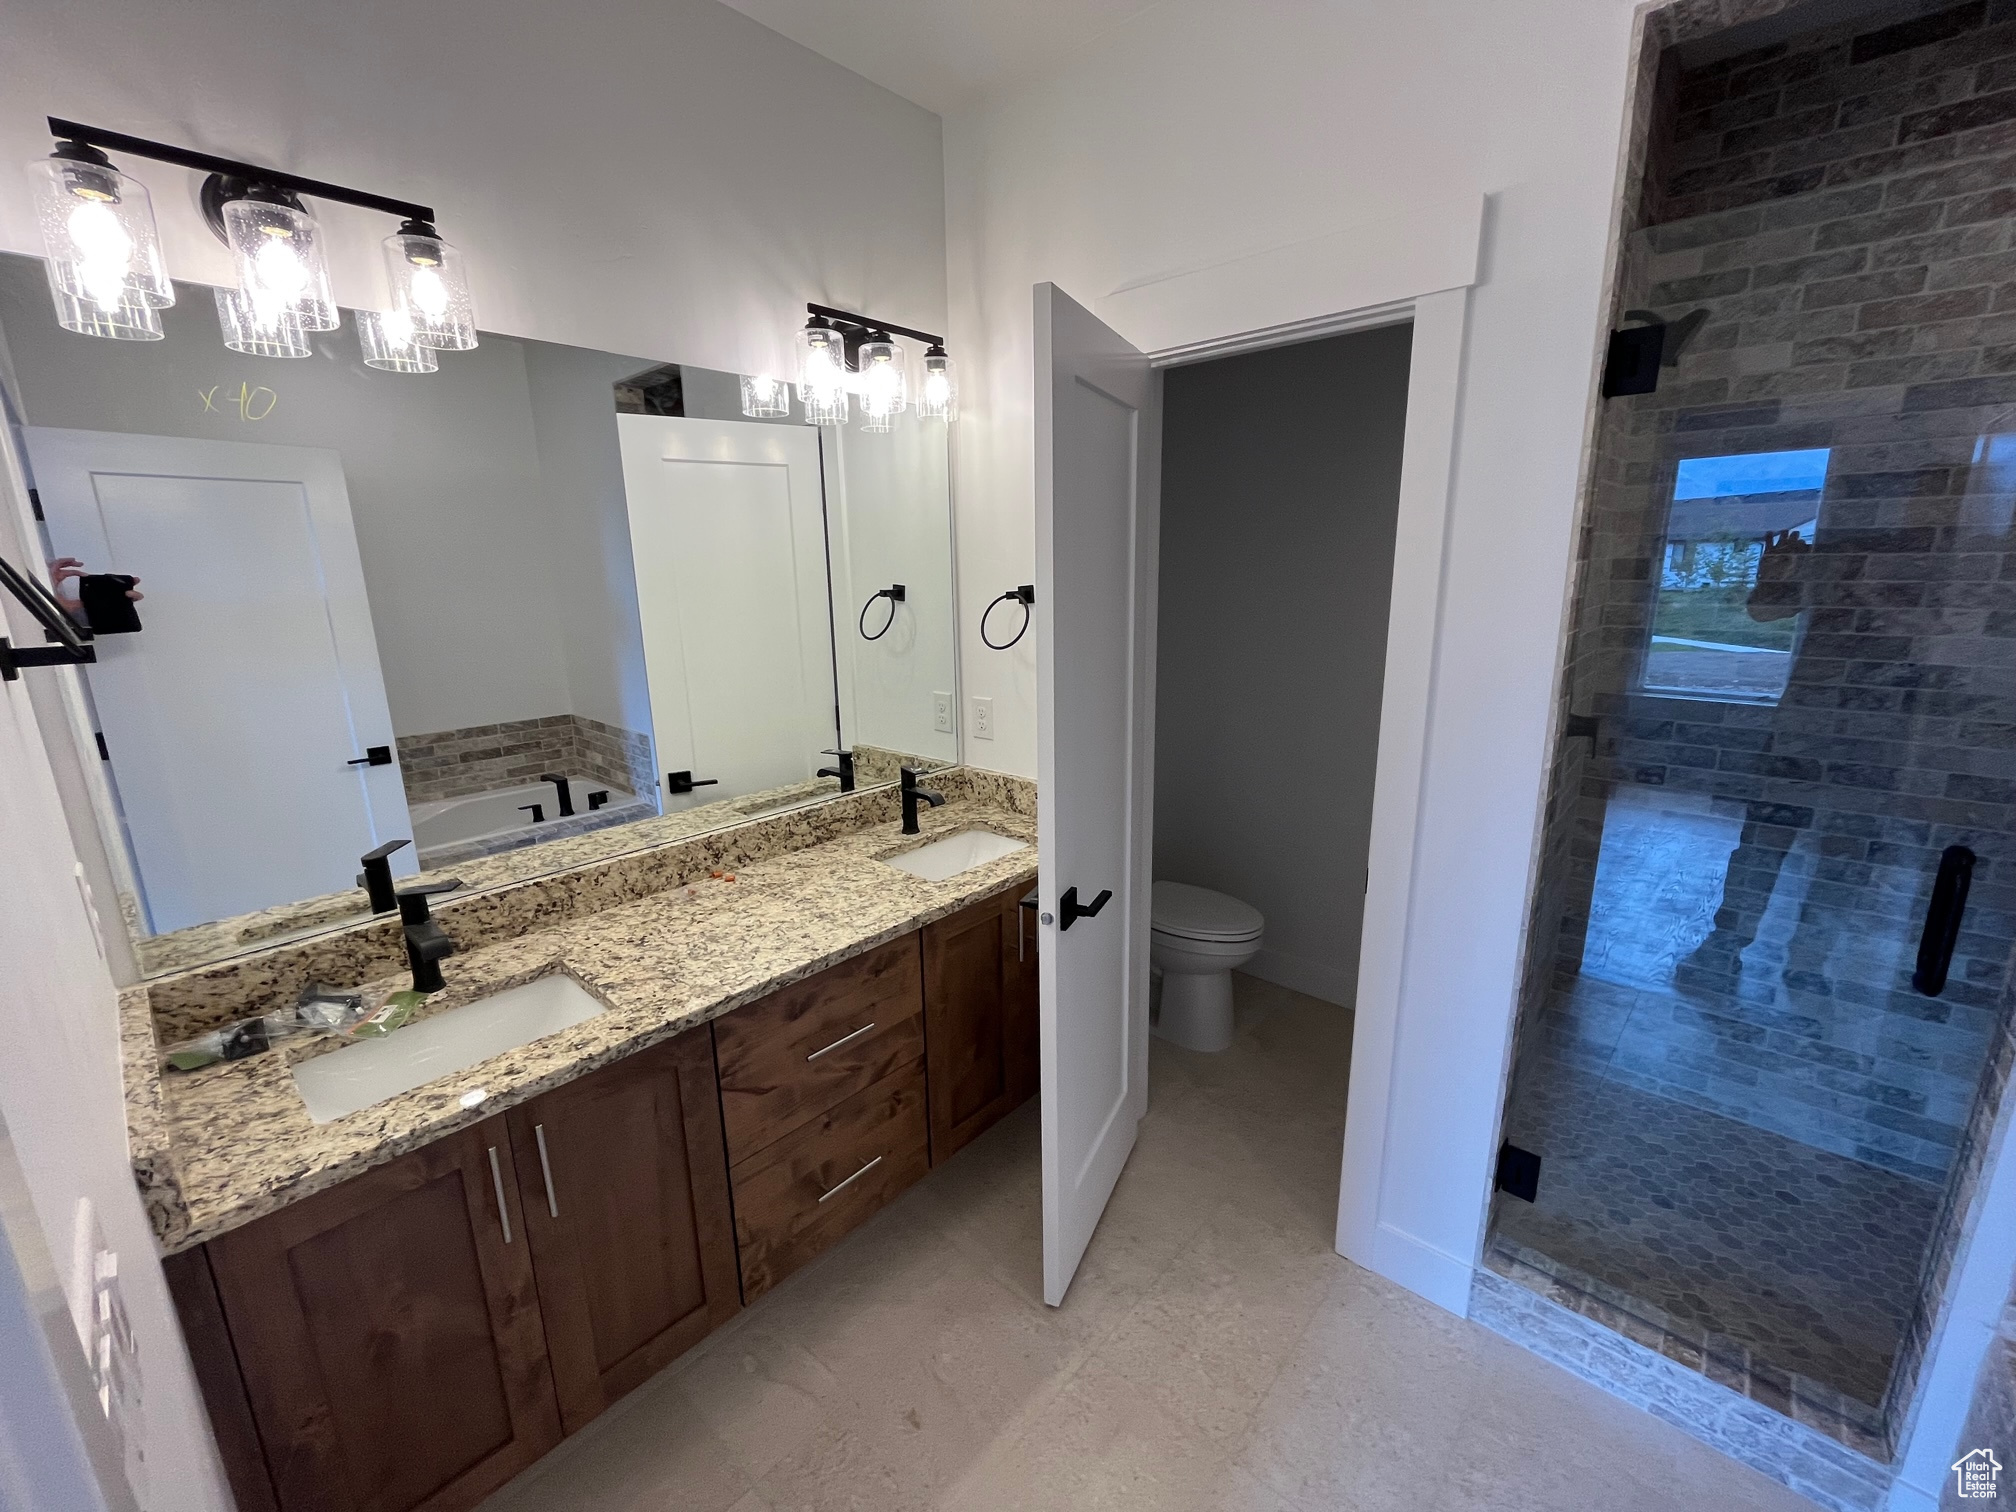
(1098, 511)
(237, 721)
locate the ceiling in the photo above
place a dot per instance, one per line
(943, 54)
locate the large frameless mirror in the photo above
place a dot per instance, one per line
(537, 607)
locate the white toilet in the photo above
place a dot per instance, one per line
(1197, 938)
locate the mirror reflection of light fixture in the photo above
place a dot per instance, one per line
(764, 397)
(938, 394)
(881, 382)
(822, 372)
(392, 343)
(277, 251)
(428, 283)
(106, 273)
(107, 276)
(259, 329)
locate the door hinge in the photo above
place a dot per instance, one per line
(35, 504)
(1518, 1172)
(99, 736)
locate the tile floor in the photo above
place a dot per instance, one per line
(1214, 1352)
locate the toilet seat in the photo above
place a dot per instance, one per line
(1183, 912)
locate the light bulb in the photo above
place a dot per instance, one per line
(882, 384)
(390, 343)
(260, 327)
(764, 397)
(429, 284)
(281, 267)
(822, 373)
(106, 274)
(938, 394)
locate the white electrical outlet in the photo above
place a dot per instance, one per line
(941, 713)
(983, 719)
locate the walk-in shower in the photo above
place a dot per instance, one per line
(1789, 700)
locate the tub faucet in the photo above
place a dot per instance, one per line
(844, 771)
(914, 795)
(566, 792)
(427, 943)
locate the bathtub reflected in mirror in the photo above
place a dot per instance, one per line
(540, 607)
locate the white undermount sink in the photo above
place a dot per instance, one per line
(955, 853)
(361, 1075)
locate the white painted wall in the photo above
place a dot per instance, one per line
(60, 1086)
(1280, 496)
(670, 178)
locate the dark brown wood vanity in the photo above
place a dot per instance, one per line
(413, 1338)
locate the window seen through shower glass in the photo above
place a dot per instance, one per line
(1733, 522)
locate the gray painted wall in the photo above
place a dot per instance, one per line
(1280, 489)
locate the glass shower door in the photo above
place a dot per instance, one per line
(1779, 905)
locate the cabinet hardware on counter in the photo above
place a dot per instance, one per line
(497, 1181)
(851, 1179)
(844, 1039)
(546, 1170)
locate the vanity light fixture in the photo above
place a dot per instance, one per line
(883, 384)
(391, 342)
(822, 372)
(842, 353)
(938, 395)
(106, 273)
(764, 397)
(107, 276)
(260, 328)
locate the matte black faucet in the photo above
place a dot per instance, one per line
(427, 943)
(566, 792)
(376, 878)
(912, 796)
(844, 771)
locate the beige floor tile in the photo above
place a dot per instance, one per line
(1213, 1355)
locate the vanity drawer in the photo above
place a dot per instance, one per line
(827, 1176)
(803, 1049)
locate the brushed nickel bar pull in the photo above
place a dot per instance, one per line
(844, 1039)
(546, 1170)
(852, 1179)
(497, 1181)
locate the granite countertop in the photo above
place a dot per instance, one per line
(216, 1148)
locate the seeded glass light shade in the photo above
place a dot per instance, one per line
(259, 329)
(105, 270)
(764, 397)
(392, 345)
(882, 382)
(938, 394)
(281, 267)
(429, 284)
(822, 373)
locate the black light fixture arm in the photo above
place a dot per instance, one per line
(848, 317)
(203, 162)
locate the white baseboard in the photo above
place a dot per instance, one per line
(1419, 1266)
(1318, 979)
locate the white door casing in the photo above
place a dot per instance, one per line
(1098, 526)
(728, 534)
(233, 717)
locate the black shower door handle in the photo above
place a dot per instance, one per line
(1070, 910)
(1942, 919)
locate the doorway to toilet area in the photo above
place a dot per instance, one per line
(1280, 498)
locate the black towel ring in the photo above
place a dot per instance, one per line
(893, 593)
(1025, 596)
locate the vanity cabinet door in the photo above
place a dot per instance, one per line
(388, 1334)
(624, 1181)
(979, 1019)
